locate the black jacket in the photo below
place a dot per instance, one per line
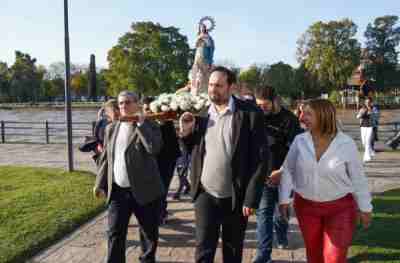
(144, 143)
(281, 128)
(250, 152)
(170, 150)
(365, 119)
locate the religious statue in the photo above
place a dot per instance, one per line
(204, 56)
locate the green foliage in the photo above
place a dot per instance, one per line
(26, 82)
(56, 70)
(4, 82)
(24, 78)
(334, 97)
(79, 83)
(39, 206)
(281, 77)
(253, 76)
(52, 88)
(382, 39)
(47, 90)
(306, 83)
(102, 82)
(381, 242)
(330, 51)
(149, 59)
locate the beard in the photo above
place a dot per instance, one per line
(218, 99)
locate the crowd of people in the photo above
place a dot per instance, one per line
(243, 156)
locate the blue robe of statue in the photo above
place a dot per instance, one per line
(208, 50)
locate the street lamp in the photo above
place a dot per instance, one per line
(67, 91)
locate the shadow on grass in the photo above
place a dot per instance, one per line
(375, 257)
(381, 242)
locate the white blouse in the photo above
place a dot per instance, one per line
(338, 172)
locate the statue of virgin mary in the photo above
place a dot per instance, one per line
(203, 59)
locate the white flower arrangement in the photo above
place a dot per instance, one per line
(179, 102)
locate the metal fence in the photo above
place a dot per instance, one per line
(56, 132)
(42, 132)
(385, 130)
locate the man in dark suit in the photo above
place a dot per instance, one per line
(228, 167)
(129, 174)
(167, 157)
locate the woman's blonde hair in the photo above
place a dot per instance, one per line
(325, 113)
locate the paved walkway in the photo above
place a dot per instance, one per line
(88, 245)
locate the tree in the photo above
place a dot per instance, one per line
(281, 77)
(56, 70)
(102, 82)
(49, 90)
(42, 72)
(305, 83)
(4, 82)
(25, 78)
(251, 76)
(330, 51)
(55, 77)
(79, 83)
(149, 59)
(382, 39)
(255, 75)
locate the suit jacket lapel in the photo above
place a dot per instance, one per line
(132, 136)
(114, 138)
(203, 129)
(236, 127)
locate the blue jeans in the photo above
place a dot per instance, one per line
(265, 225)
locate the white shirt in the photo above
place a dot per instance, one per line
(338, 172)
(121, 143)
(217, 171)
(227, 130)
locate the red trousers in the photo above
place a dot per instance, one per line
(327, 227)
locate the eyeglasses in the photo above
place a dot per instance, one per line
(126, 102)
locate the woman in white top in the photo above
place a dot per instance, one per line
(366, 116)
(324, 169)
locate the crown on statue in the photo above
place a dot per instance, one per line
(208, 22)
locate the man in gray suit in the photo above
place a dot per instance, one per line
(129, 178)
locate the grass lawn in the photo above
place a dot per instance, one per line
(381, 243)
(39, 206)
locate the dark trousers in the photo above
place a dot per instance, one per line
(166, 173)
(120, 209)
(182, 173)
(213, 215)
(374, 136)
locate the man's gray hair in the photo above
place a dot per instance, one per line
(130, 94)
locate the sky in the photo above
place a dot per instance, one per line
(246, 32)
